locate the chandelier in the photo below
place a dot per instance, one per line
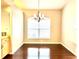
(39, 16)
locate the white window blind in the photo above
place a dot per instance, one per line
(38, 29)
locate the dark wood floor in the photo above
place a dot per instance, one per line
(57, 51)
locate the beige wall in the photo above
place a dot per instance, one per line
(55, 18)
(12, 23)
(0, 29)
(68, 27)
(17, 29)
(5, 21)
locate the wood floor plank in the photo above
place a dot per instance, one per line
(57, 51)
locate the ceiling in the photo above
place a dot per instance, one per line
(33, 4)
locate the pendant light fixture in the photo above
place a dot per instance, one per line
(39, 16)
(39, 25)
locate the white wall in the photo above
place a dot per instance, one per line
(68, 26)
(17, 29)
(77, 26)
(0, 37)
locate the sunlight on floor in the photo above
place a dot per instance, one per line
(38, 53)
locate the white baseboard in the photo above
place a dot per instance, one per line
(17, 49)
(45, 43)
(42, 43)
(68, 49)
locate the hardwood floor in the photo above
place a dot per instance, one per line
(57, 51)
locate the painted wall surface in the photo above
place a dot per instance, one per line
(0, 30)
(5, 25)
(0, 37)
(17, 29)
(77, 27)
(68, 26)
(55, 18)
(5, 21)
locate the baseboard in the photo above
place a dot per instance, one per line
(68, 49)
(41, 42)
(16, 50)
(44, 43)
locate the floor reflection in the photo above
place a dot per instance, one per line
(38, 53)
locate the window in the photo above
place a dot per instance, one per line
(38, 29)
(38, 53)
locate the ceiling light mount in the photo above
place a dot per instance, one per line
(39, 16)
